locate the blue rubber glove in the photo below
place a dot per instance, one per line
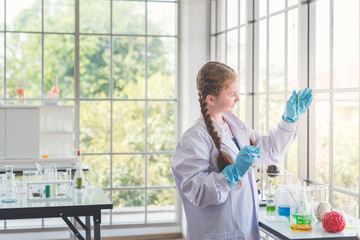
(305, 98)
(244, 161)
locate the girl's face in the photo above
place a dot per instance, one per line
(227, 99)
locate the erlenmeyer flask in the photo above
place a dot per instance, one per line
(10, 189)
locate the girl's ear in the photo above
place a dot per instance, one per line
(211, 100)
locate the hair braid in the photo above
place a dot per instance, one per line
(223, 159)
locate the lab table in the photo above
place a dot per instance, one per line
(86, 202)
(280, 229)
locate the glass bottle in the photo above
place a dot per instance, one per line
(10, 188)
(79, 177)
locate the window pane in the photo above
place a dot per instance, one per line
(100, 169)
(159, 170)
(242, 70)
(242, 12)
(220, 47)
(322, 45)
(161, 205)
(292, 2)
(275, 6)
(292, 50)
(2, 66)
(59, 16)
(23, 223)
(262, 8)
(276, 52)
(263, 103)
(54, 222)
(161, 126)
(242, 105)
(128, 126)
(23, 62)
(23, 15)
(94, 66)
(129, 67)
(129, 206)
(232, 49)
(221, 14)
(340, 198)
(162, 18)
(346, 140)
(94, 16)
(232, 13)
(346, 44)
(161, 67)
(59, 60)
(263, 56)
(128, 170)
(276, 109)
(292, 157)
(128, 17)
(2, 12)
(322, 142)
(95, 126)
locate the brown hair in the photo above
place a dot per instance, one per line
(212, 78)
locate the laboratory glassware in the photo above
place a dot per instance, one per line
(79, 177)
(9, 185)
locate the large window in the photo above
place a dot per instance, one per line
(117, 62)
(291, 45)
(335, 78)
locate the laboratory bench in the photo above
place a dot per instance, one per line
(86, 202)
(280, 229)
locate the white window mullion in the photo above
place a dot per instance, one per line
(312, 79)
(252, 59)
(302, 164)
(331, 100)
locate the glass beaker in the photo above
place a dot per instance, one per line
(10, 188)
(301, 215)
(321, 193)
(61, 187)
(282, 201)
(350, 211)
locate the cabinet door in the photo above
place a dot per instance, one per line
(22, 133)
(2, 133)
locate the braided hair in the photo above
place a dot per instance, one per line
(212, 78)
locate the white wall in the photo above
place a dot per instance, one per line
(194, 53)
(194, 40)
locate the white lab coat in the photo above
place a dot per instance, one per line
(213, 210)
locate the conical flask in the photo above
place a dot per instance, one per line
(10, 189)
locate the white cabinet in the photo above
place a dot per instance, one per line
(22, 133)
(43, 134)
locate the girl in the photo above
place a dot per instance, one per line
(212, 163)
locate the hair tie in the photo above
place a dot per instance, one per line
(220, 149)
